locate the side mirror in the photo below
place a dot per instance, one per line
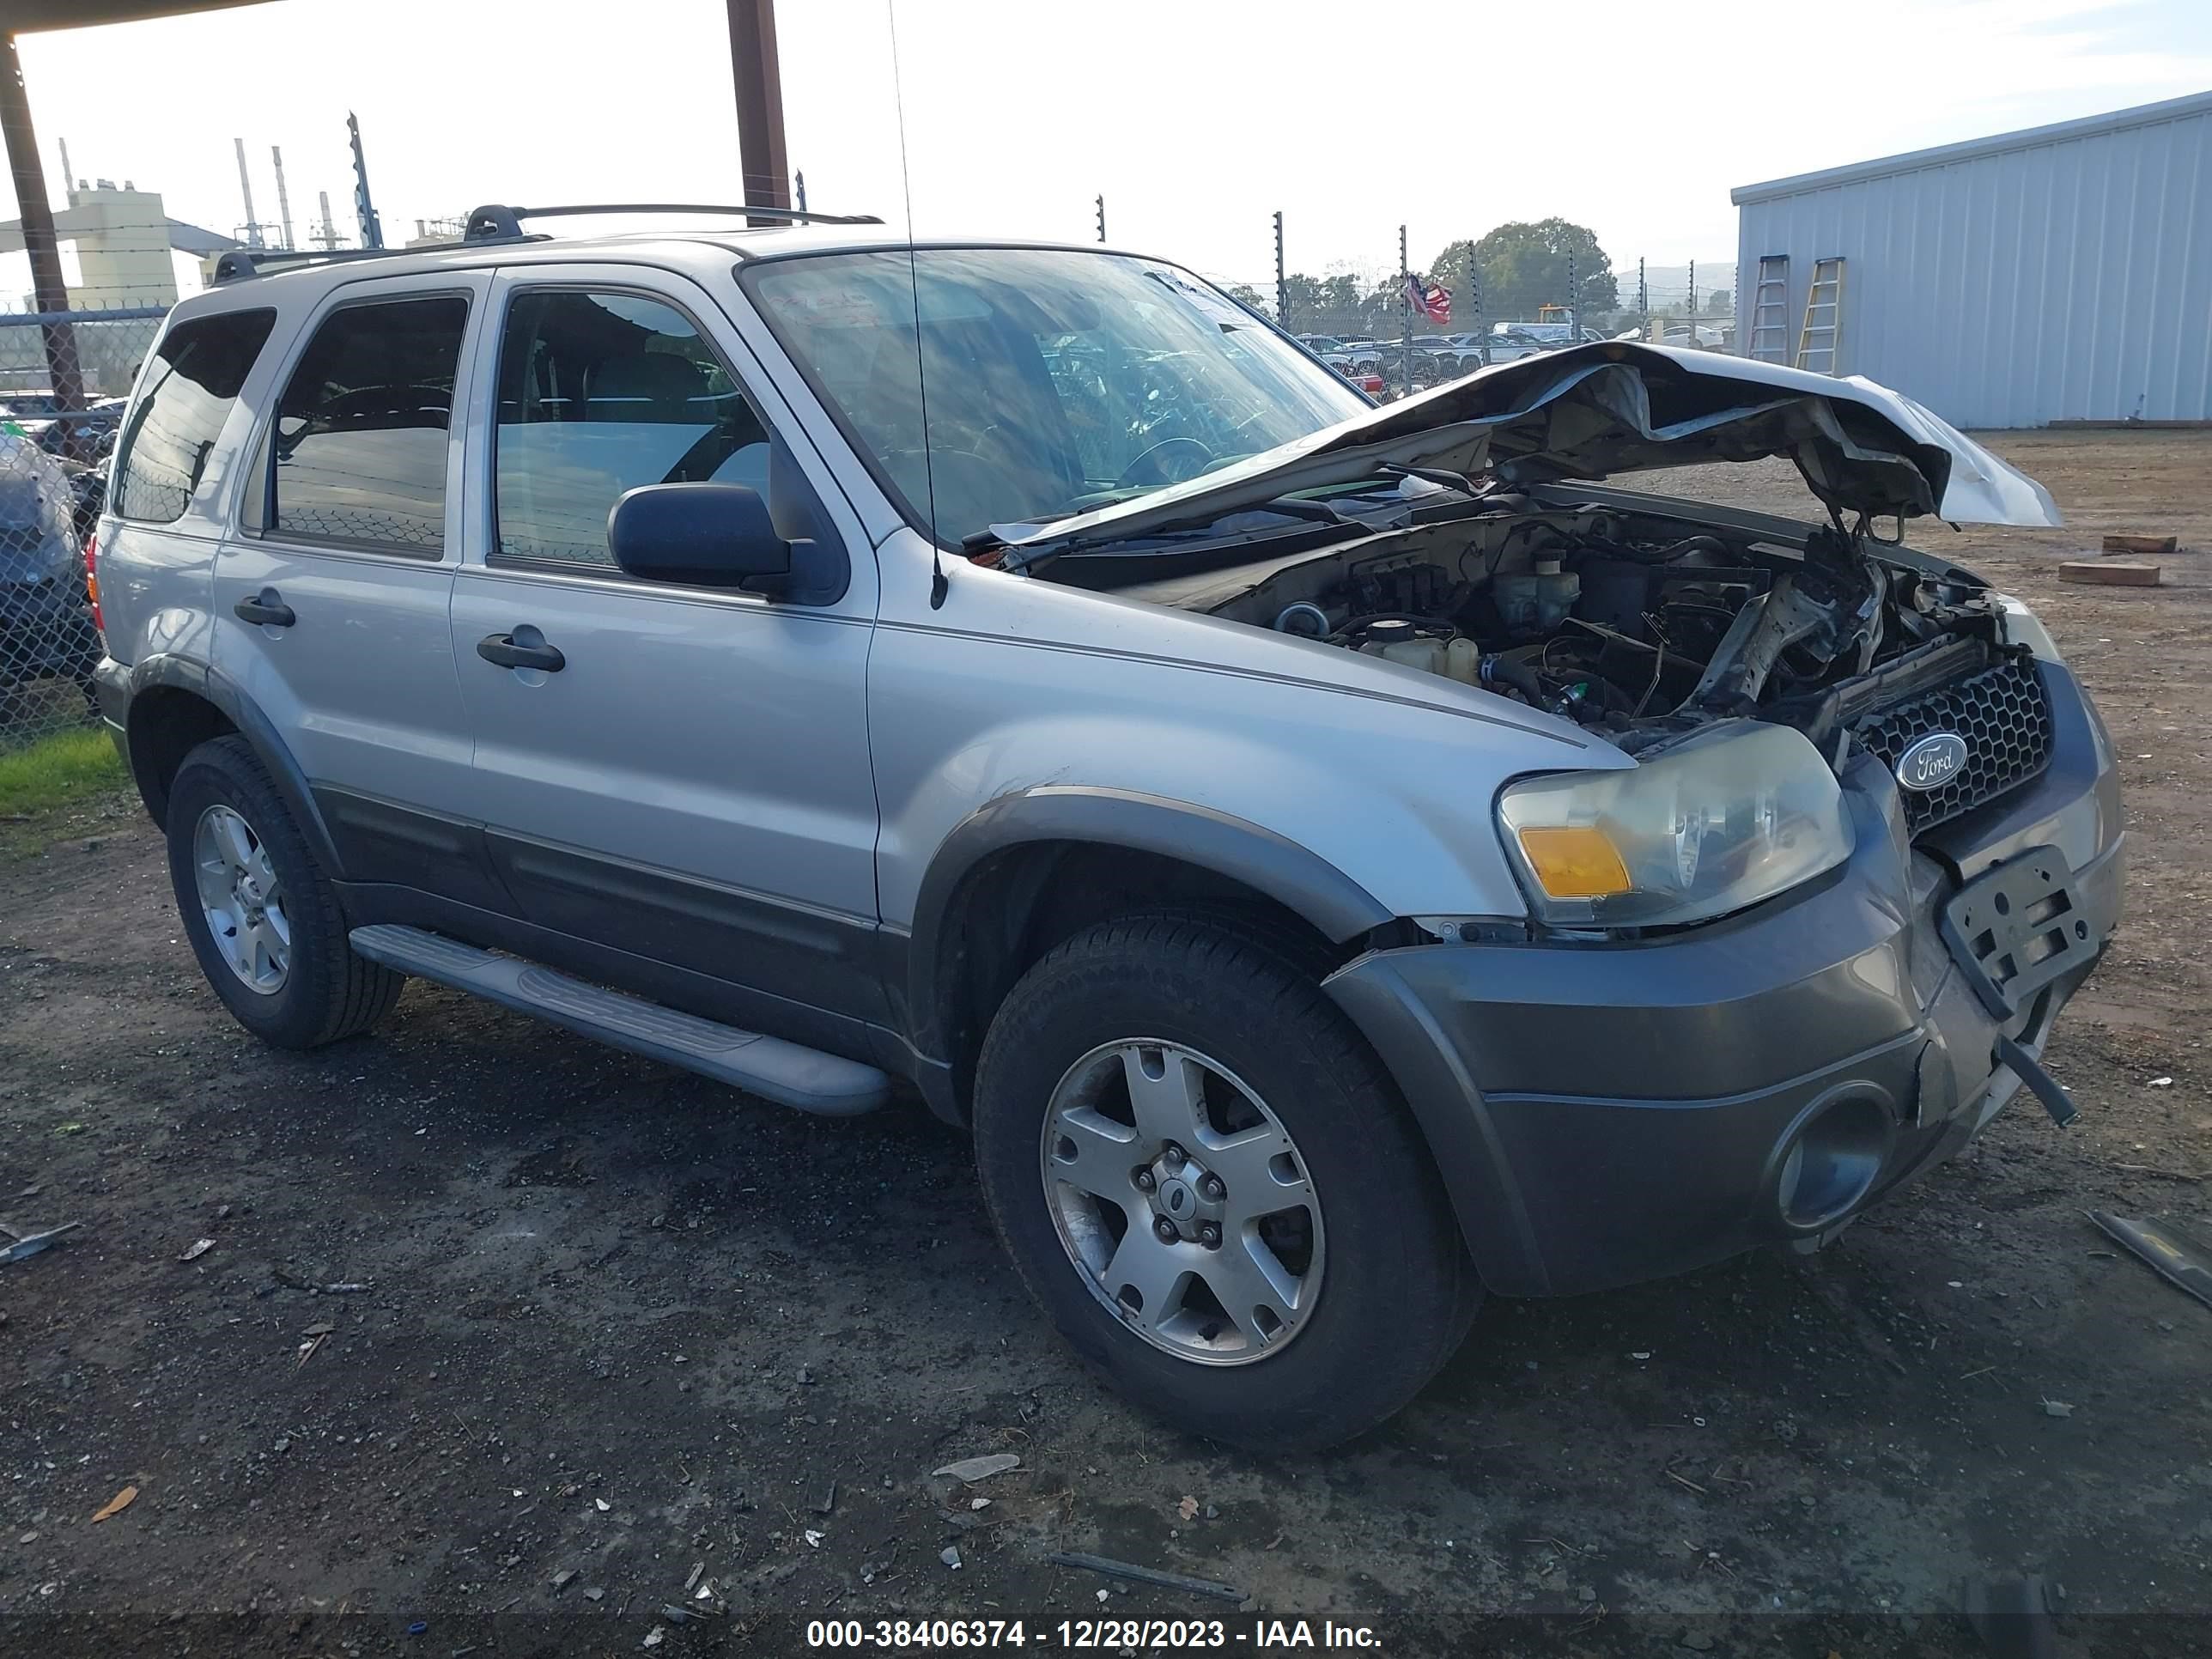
(700, 535)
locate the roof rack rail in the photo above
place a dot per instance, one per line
(238, 263)
(496, 223)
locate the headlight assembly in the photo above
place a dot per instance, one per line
(2023, 626)
(1734, 814)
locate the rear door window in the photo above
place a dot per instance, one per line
(601, 391)
(361, 439)
(197, 372)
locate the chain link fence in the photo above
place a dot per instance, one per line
(1356, 313)
(64, 377)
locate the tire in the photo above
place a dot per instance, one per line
(1293, 1094)
(303, 986)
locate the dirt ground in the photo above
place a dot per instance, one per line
(622, 1324)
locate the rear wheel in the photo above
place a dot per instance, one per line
(261, 914)
(1208, 1181)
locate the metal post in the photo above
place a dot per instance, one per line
(245, 190)
(1102, 218)
(328, 235)
(49, 291)
(798, 188)
(283, 201)
(759, 80)
(1406, 316)
(1643, 302)
(69, 178)
(1282, 284)
(1574, 302)
(364, 210)
(1474, 308)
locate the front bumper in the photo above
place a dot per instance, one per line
(1604, 1114)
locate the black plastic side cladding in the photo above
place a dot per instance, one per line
(1300, 880)
(181, 674)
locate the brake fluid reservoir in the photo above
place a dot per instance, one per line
(1536, 601)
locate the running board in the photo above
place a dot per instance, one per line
(765, 1066)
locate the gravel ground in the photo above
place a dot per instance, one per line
(624, 1332)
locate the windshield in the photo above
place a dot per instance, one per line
(1057, 380)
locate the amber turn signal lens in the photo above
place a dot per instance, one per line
(1574, 861)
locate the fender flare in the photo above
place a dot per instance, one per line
(169, 672)
(1301, 880)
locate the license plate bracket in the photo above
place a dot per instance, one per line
(2016, 927)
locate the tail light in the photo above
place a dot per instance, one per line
(92, 579)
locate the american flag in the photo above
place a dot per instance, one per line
(1433, 300)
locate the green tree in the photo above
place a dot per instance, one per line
(1721, 304)
(1523, 265)
(1301, 303)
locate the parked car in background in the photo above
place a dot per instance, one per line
(1510, 342)
(84, 435)
(1326, 888)
(46, 627)
(1546, 336)
(1365, 379)
(88, 487)
(28, 412)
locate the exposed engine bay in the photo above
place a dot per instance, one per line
(1639, 626)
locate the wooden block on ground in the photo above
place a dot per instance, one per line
(2154, 546)
(2110, 573)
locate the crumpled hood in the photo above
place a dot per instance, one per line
(1591, 411)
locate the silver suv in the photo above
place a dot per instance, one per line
(1333, 861)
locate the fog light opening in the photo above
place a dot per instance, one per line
(1832, 1161)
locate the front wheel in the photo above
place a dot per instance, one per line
(1208, 1181)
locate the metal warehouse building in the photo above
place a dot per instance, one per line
(2061, 273)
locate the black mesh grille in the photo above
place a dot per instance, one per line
(2005, 721)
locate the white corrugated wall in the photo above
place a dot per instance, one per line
(2067, 278)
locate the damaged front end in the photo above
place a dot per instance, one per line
(1438, 534)
(1870, 845)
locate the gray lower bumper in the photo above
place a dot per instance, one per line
(111, 687)
(1610, 1113)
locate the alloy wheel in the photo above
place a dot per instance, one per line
(242, 899)
(1182, 1202)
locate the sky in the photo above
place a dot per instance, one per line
(1197, 120)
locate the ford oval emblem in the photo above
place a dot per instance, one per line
(1935, 760)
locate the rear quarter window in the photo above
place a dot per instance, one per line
(195, 377)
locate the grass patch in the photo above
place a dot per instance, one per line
(69, 769)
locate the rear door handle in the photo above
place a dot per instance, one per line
(502, 648)
(266, 608)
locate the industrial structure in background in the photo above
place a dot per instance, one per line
(124, 239)
(2061, 273)
(757, 79)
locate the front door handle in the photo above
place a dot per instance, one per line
(503, 649)
(267, 608)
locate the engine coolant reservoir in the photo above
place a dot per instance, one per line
(1458, 659)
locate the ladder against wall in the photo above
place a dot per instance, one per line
(1770, 310)
(1821, 342)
